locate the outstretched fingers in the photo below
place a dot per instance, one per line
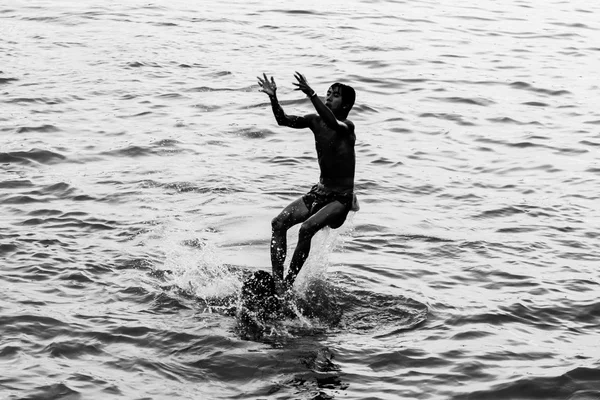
(266, 85)
(302, 84)
(299, 76)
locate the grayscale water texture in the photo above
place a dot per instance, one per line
(140, 168)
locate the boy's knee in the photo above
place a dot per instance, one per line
(307, 231)
(278, 223)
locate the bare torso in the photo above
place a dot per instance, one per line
(335, 152)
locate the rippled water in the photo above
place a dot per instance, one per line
(140, 168)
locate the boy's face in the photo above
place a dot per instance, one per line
(334, 99)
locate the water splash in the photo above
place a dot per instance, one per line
(324, 243)
(193, 268)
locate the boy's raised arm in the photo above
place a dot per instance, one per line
(324, 112)
(292, 121)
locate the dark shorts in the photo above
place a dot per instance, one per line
(318, 197)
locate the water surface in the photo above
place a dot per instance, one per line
(140, 169)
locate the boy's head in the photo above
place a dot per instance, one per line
(347, 93)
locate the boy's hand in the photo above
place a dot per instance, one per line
(267, 87)
(303, 84)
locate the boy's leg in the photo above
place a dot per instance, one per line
(293, 214)
(330, 213)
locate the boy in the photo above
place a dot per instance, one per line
(330, 200)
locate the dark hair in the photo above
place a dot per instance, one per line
(348, 94)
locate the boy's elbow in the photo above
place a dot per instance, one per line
(283, 122)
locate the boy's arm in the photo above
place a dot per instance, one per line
(324, 112)
(293, 121)
(328, 117)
